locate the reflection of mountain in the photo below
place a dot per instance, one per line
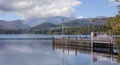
(16, 24)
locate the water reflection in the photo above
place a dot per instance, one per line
(42, 52)
(27, 52)
(95, 58)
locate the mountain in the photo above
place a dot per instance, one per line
(97, 21)
(58, 19)
(85, 22)
(16, 24)
(51, 22)
(76, 23)
(55, 20)
(45, 25)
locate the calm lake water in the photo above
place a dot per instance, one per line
(42, 52)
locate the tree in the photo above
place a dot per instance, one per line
(113, 25)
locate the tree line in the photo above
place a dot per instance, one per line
(70, 30)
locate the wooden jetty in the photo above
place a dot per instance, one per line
(82, 44)
(103, 45)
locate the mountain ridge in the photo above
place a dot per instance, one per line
(67, 22)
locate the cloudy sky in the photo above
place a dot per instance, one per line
(26, 9)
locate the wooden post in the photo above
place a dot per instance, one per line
(68, 38)
(63, 41)
(111, 45)
(53, 43)
(91, 39)
(92, 48)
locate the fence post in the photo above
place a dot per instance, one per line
(91, 39)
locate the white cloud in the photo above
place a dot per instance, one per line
(80, 17)
(39, 8)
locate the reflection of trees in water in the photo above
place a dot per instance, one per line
(117, 42)
(118, 58)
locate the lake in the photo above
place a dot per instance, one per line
(42, 52)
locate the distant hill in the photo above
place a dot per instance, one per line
(52, 22)
(77, 23)
(16, 24)
(86, 22)
(97, 21)
(55, 20)
(45, 25)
